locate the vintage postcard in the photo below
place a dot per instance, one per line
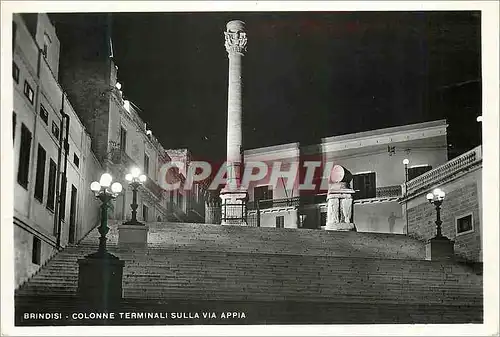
(283, 168)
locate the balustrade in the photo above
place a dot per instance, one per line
(442, 172)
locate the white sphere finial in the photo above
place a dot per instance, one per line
(116, 187)
(95, 186)
(105, 180)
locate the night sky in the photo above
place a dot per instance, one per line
(307, 75)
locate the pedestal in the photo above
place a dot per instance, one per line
(234, 207)
(130, 234)
(439, 249)
(100, 279)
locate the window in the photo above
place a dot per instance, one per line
(415, 171)
(24, 157)
(72, 215)
(46, 44)
(123, 139)
(14, 122)
(28, 92)
(263, 195)
(145, 210)
(364, 185)
(171, 196)
(280, 221)
(146, 164)
(52, 185)
(76, 160)
(464, 224)
(40, 173)
(44, 114)
(36, 250)
(55, 130)
(15, 72)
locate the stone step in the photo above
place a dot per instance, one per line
(231, 263)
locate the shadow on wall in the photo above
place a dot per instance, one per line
(380, 217)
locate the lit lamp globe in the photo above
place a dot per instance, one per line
(142, 178)
(406, 161)
(135, 172)
(128, 177)
(105, 180)
(439, 193)
(95, 186)
(116, 187)
(430, 196)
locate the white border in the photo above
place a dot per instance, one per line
(490, 69)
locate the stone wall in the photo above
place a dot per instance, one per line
(463, 196)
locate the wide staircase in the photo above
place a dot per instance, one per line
(273, 276)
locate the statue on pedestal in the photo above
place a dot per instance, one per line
(339, 200)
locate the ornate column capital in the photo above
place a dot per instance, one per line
(235, 37)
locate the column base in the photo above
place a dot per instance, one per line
(133, 234)
(100, 279)
(340, 226)
(439, 249)
(234, 207)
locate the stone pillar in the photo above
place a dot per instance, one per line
(339, 216)
(233, 196)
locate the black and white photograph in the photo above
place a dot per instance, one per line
(274, 165)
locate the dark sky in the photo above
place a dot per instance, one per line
(307, 75)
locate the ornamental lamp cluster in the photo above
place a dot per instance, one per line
(105, 186)
(436, 196)
(135, 176)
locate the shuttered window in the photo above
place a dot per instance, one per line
(40, 173)
(24, 157)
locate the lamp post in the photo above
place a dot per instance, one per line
(436, 198)
(406, 161)
(135, 179)
(439, 247)
(100, 274)
(105, 191)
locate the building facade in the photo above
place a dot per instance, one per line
(375, 158)
(53, 164)
(70, 124)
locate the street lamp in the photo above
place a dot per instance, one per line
(406, 161)
(436, 198)
(105, 191)
(135, 179)
(100, 274)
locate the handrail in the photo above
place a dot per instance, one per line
(393, 191)
(388, 191)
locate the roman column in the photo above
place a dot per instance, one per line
(233, 195)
